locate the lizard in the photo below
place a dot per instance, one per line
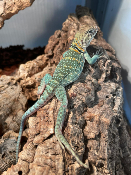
(67, 71)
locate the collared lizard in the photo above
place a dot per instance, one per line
(67, 71)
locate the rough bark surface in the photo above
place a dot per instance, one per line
(94, 124)
(8, 8)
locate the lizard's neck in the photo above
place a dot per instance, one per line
(76, 46)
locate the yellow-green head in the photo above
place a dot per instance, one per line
(84, 36)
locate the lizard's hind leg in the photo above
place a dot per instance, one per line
(43, 83)
(61, 96)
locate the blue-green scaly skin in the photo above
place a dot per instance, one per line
(67, 71)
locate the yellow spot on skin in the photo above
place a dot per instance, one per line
(74, 59)
(70, 66)
(79, 43)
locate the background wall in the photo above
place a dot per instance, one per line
(33, 27)
(117, 31)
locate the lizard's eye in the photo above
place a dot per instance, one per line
(90, 32)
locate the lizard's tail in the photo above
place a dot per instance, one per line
(63, 141)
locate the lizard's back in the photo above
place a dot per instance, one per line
(71, 62)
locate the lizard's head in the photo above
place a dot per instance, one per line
(85, 35)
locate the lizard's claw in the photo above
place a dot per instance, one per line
(99, 52)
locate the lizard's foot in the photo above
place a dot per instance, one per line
(94, 58)
(98, 53)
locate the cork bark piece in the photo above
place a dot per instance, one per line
(94, 126)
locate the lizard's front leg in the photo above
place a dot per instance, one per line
(94, 58)
(61, 96)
